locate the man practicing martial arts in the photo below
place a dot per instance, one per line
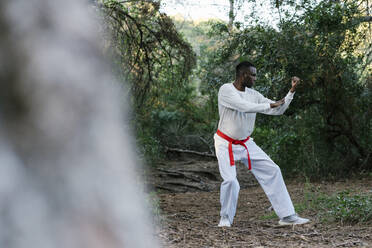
(238, 104)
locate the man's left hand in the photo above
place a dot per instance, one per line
(295, 82)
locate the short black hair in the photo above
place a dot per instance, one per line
(243, 67)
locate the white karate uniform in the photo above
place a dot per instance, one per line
(237, 110)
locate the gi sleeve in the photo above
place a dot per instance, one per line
(229, 98)
(278, 110)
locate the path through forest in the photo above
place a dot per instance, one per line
(189, 206)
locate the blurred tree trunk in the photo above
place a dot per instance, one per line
(67, 169)
(231, 15)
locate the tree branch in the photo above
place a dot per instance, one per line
(366, 19)
(205, 154)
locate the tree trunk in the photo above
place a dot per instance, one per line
(231, 14)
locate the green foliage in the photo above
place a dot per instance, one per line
(149, 146)
(155, 61)
(270, 216)
(151, 54)
(153, 202)
(345, 207)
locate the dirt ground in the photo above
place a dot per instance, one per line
(189, 205)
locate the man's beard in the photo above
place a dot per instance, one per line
(248, 84)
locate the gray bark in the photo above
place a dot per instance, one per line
(67, 168)
(231, 14)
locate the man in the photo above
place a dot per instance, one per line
(238, 104)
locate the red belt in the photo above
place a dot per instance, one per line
(235, 142)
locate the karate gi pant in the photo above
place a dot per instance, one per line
(266, 172)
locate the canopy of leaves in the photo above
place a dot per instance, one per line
(152, 58)
(152, 55)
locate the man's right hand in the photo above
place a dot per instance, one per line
(277, 104)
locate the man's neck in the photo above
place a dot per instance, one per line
(239, 85)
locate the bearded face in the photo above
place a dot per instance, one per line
(250, 77)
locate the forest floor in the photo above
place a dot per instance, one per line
(188, 211)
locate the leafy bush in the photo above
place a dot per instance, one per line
(345, 207)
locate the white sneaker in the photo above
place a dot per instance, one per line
(224, 222)
(293, 220)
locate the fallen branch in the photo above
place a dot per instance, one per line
(185, 184)
(205, 154)
(190, 174)
(180, 174)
